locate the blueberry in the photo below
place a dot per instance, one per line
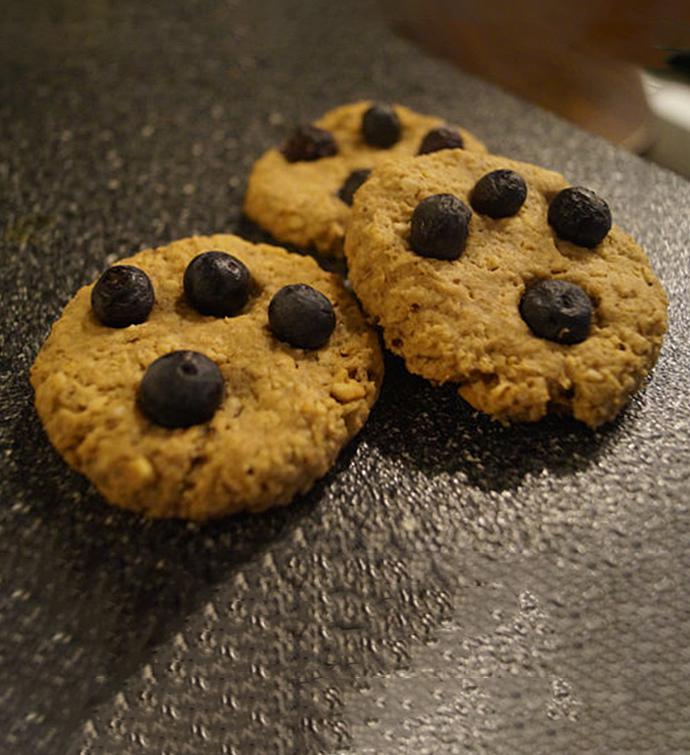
(181, 389)
(440, 138)
(439, 227)
(580, 216)
(381, 126)
(122, 296)
(557, 310)
(499, 194)
(352, 183)
(309, 143)
(216, 283)
(301, 316)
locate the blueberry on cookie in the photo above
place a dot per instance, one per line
(499, 194)
(441, 137)
(181, 389)
(122, 296)
(352, 183)
(309, 143)
(216, 283)
(580, 216)
(557, 310)
(301, 316)
(439, 227)
(381, 126)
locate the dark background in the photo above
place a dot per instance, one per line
(452, 585)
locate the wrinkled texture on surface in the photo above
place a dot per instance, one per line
(451, 585)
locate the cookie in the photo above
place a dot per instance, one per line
(459, 267)
(200, 415)
(302, 193)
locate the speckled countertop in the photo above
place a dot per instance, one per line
(451, 586)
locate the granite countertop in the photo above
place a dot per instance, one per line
(452, 585)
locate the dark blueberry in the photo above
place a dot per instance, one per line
(122, 296)
(180, 389)
(381, 126)
(309, 143)
(352, 183)
(301, 316)
(499, 194)
(439, 227)
(557, 310)
(580, 216)
(440, 138)
(216, 283)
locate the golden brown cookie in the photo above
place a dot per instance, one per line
(285, 414)
(461, 321)
(298, 202)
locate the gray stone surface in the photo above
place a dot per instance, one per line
(452, 586)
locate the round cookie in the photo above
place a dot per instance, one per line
(298, 202)
(285, 412)
(460, 320)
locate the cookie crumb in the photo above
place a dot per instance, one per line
(140, 470)
(349, 391)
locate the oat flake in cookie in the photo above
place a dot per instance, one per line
(199, 415)
(301, 191)
(525, 321)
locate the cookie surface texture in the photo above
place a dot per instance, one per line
(298, 202)
(459, 321)
(285, 413)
